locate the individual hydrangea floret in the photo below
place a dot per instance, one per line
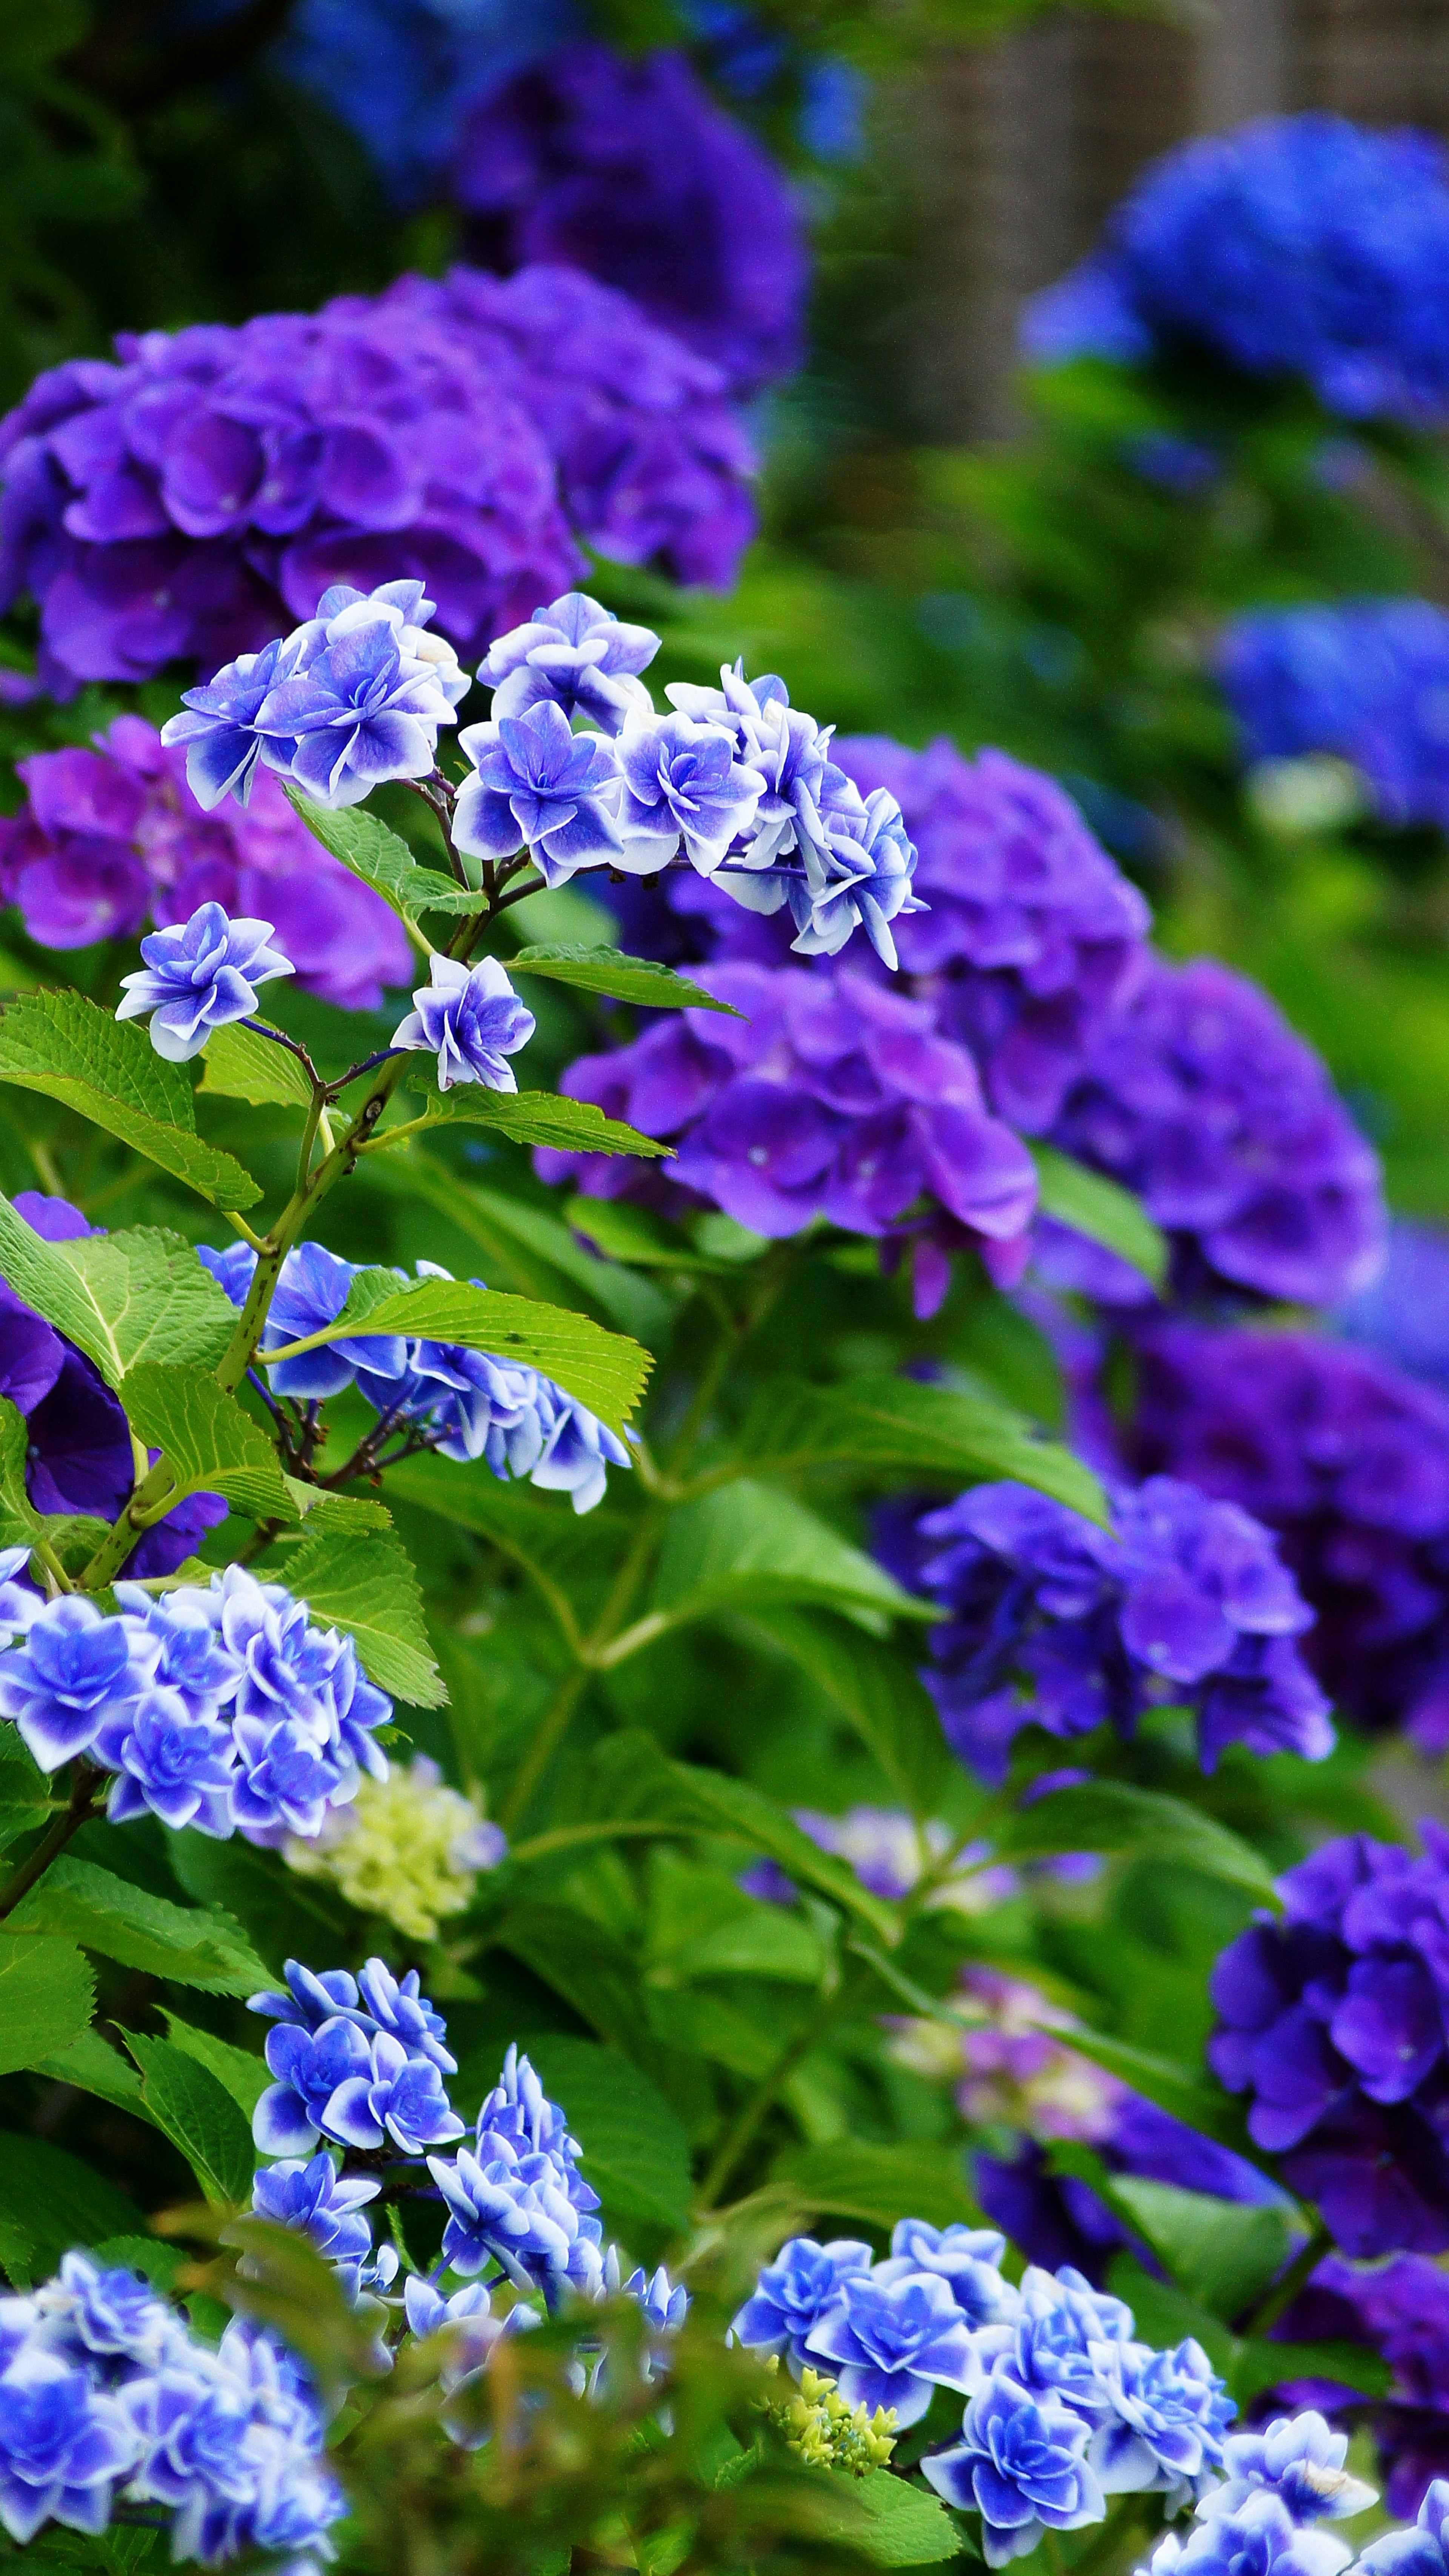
(626, 167)
(1302, 245)
(1331, 2020)
(1419, 2552)
(1169, 2416)
(518, 2212)
(968, 2260)
(1298, 2459)
(1363, 680)
(682, 784)
(891, 2341)
(471, 1019)
(199, 979)
(577, 654)
(793, 2292)
(169, 1762)
(311, 2197)
(1021, 2464)
(1056, 1622)
(535, 781)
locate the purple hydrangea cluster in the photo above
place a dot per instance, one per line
(1348, 1461)
(1332, 2019)
(1064, 2406)
(627, 168)
(1400, 2310)
(1366, 680)
(79, 1456)
(1198, 1096)
(1300, 246)
(180, 502)
(1403, 1311)
(1056, 1623)
(107, 2399)
(111, 838)
(463, 1403)
(224, 1709)
(829, 1098)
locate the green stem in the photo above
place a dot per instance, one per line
(84, 1784)
(1284, 2291)
(741, 2133)
(549, 1734)
(569, 1837)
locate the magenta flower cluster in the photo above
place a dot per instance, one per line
(111, 838)
(828, 1098)
(1332, 2020)
(188, 499)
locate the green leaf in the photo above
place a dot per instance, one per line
(25, 1792)
(64, 2202)
(1257, 2364)
(383, 861)
(47, 1997)
(92, 1907)
(137, 1295)
(1164, 2080)
(209, 1443)
(905, 2526)
(244, 2077)
(623, 979)
(635, 2152)
(530, 1118)
(198, 2115)
(604, 1371)
(239, 1065)
(878, 2185)
(93, 2066)
(746, 1545)
(107, 1070)
(17, 2253)
(872, 1425)
(1101, 1210)
(636, 1235)
(584, 1963)
(19, 1520)
(876, 1691)
(363, 1581)
(630, 1779)
(1224, 2253)
(1112, 1816)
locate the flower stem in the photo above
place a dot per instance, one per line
(84, 1783)
(1285, 2290)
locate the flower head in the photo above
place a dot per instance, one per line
(890, 2341)
(470, 1018)
(793, 2292)
(200, 978)
(1021, 2465)
(536, 782)
(577, 654)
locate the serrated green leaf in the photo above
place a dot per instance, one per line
(198, 2115)
(1100, 1209)
(630, 1779)
(876, 1690)
(531, 1118)
(382, 860)
(363, 1581)
(25, 1792)
(208, 1442)
(239, 1065)
(880, 2184)
(47, 1997)
(244, 2077)
(635, 2151)
(64, 2202)
(1113, 1816)
(1226, 2254)
(107, 1070)
(93, 2066)
(621, 978)
(905, 2527)
(604, 1371)
(896, 1424)
(341, 1514)
(128, 1297)
(747, 1546)
(97, 1910)
(19, 1520)
(17, 2253)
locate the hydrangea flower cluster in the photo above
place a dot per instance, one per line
(1064, 2407)
(408, 1848)
(1300, 246)
(1400, 2310)
(1332, 2020)
(465, 1404)
(403, 74)
(1366, 680)
(112, 837)
(107, 2399)
(1345, 1458)
(78, 1443)
(224, 1709)
(183, 500)
(1281, 2484)
(830, 1098)
(1199, 1096)
(1403, 1312)
(1056, 1623)
(629, 170)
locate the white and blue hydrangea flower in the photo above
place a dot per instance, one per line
(199, 978)
(577, 655)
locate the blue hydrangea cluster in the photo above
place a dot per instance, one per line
(1365, 680)
(1402, 1313)
(403, 75)
(438, 1395)
(187, 499)
(1301, 246)
(830, 1097)
(1057, 1623)
(1347, 1459)
(224, 1709)
(1332, 2019)
(1400, 2310)
(1064, 2406)
(1281, 2484)
(107, 2399)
